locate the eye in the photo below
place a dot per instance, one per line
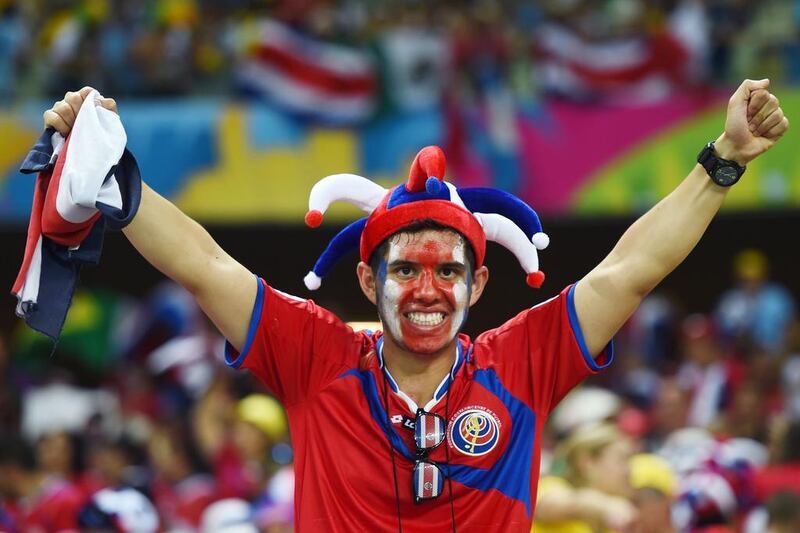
(448, 273)
(405, 271)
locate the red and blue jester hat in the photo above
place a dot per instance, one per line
(478, 213)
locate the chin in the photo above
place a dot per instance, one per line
(421, 345)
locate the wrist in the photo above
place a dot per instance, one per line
(724, 149)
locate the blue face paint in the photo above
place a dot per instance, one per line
(383, 268)
(469, 294)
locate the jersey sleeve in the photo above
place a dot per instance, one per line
(541, 353)
(294, 346)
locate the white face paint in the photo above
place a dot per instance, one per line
(389, 303)
(426, 292)
(461, 293)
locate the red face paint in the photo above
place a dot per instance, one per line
(424, 296)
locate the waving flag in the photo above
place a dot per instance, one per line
(83, 183)
(309, 77)
(626, 70)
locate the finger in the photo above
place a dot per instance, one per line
(769, 122)
(110, 104)
(757, 100)
(778, 130)
(75, 101)
(766, 110)
(84, 92)
(742, 94)
(54, 120)
(65, 111)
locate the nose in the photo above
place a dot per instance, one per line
(426, 289)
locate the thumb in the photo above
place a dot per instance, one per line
(742, 94)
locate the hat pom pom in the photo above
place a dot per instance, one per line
(433, 185)
(540, 240)
(313, 218)
(312, 281)
(535, 279)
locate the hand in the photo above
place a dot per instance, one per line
(754, 123)
(619, 514)
(63, 113)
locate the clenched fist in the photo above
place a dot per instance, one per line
(62, 115)
(755, 122)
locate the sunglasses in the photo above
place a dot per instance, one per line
(428, 477)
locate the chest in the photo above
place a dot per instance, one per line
(490, 438)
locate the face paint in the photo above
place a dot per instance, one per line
(388, 298)
(423, 290)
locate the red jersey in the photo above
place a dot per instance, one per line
(54, 509)
(501, 388)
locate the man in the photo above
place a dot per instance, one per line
(353, 399)
(30, 499)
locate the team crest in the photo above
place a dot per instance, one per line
(475, 431)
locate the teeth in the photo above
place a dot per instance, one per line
(426, 319)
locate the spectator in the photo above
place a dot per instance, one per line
(655, 486)
(594, 493)
(756, 311)
(180, 490)
(670, 412)
(708, 373)
(35, 500)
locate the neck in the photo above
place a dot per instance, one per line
(418, 375)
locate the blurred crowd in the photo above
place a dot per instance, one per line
(697, 427)
(133, 423)
(574, 48)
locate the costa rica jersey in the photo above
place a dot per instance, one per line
(501, 388)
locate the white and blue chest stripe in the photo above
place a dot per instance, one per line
(441, 390)
(511, 472)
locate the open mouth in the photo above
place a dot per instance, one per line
(426, 319)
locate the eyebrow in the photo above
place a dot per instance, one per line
(404, 262)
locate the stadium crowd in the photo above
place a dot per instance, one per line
(136, 420)
(134, 423)
(572, 48)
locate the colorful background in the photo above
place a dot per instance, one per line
(224, 162)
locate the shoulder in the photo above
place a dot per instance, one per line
(555, 307)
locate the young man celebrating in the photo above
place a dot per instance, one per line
(420, 428)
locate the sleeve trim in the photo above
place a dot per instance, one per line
(255, 318)
(591, 362)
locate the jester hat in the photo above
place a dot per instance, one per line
(477, 213)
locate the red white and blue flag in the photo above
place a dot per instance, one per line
(627, 71)
(309, 77)
(84, 182)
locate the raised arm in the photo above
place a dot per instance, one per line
(178, 246)
(658, 241)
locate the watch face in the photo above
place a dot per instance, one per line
(726, 176)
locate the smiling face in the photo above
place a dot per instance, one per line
(423, 287)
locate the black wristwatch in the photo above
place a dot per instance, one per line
(723, 172)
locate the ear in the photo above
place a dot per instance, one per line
(479, 279)
(367, 281)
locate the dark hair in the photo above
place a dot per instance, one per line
(15, 451)
(419, 226)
